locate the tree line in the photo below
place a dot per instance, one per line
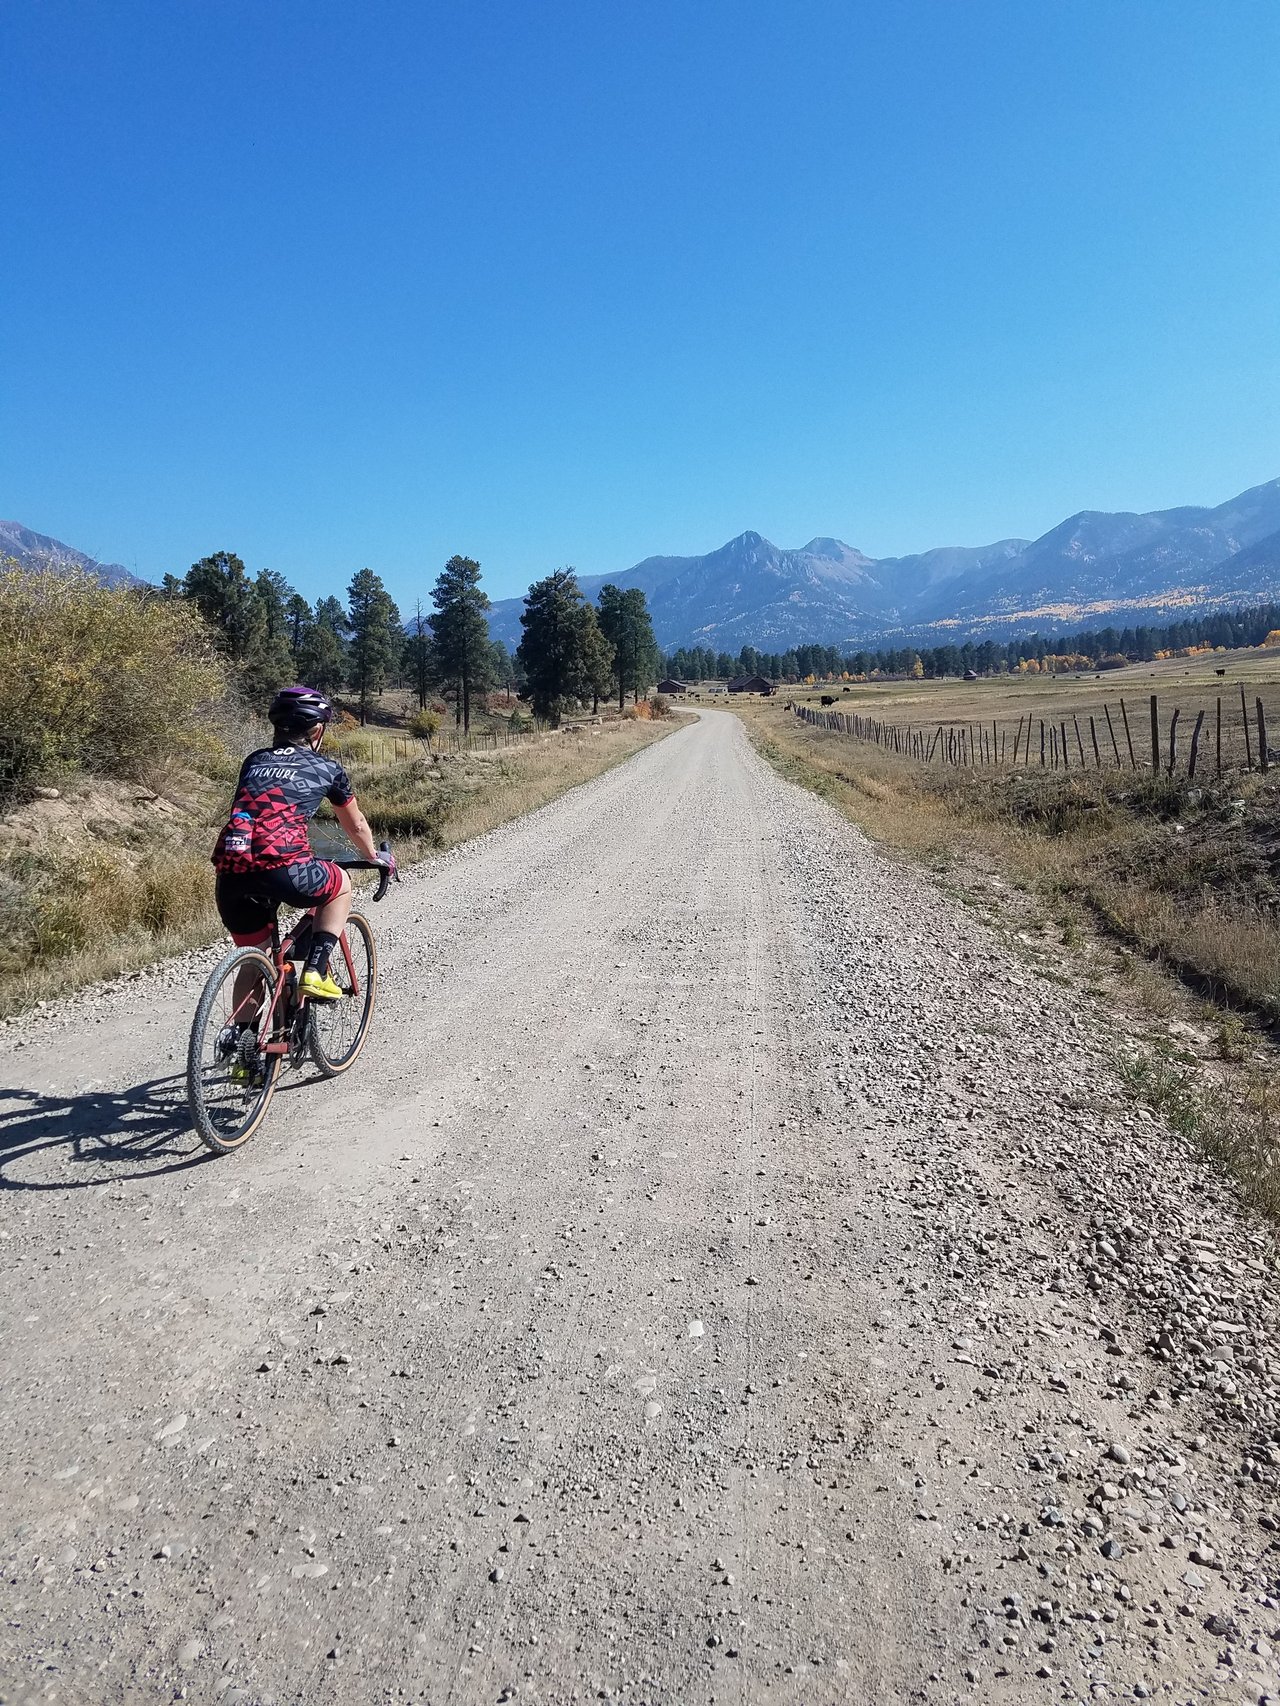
(572, 652)
(1088, 648)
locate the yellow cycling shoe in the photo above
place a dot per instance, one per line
(319, 986)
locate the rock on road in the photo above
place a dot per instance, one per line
(731, 1273)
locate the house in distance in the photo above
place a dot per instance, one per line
(751, 684)
(670, 687)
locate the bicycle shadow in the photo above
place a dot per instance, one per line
(114, 1135)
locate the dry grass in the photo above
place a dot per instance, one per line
(1234, 1118)
(524, 778)
(1186, 682)
(111, 889)
(1177, 872)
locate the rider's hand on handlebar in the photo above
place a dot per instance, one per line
(387, 860)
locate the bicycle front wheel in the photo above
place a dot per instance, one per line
(230, 1080)
(336, 1030)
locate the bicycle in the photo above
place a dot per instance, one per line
(251, 1018)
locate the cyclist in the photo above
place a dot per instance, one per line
(263, 856)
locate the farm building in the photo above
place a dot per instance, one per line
(670, 687)
(751, 684)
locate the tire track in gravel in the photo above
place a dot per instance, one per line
(407, 1401)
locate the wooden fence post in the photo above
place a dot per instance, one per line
(1066, 761)
(1042, 743)
(1155, 736)
(1195, 747)
(1079, 742)
(1244, 712)
(1173, 739)
(1093, 736)
(1112, 732)
(1219, 734)
(1264, 756)
(1133, 763)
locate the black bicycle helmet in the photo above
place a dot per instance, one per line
(294, 710)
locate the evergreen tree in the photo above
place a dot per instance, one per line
(270, 664)
(220, 588)
(595, 658)
(376, 636)
(628, 627)
(461, 632)
(421, 664)
(298, 615)
(503, 671)
(322, 654)
(551, 647)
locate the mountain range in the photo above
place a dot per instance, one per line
(1092, 569)
(39, 551)
(1095, 568)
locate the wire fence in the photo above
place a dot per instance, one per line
(364, 747)
(1203, 734)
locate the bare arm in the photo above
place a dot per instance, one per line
(356, 825)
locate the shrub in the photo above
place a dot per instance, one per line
(660, 705)
(401, 801)
(101, 678)
(424, 725)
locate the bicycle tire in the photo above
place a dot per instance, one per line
(329, 1021)
(224, 1126)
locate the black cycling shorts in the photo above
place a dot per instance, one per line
(247, 902)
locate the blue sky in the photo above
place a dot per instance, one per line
(370, 283)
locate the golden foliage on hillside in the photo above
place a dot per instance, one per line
(105, 679)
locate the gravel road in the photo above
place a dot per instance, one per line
(732, 1273)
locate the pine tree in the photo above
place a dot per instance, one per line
(420, 661)
(322, 655)
(376, 636)
(220, 588)
(628, 627)
(461, 632)
(595, 658)
(551, 649)
(298, 615)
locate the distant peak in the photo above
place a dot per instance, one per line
(821, 547)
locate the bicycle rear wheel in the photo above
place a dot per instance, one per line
(230, 1080)
(336, 1030)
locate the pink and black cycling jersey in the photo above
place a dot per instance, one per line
(277, 795)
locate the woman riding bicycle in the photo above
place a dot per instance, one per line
(263, 856)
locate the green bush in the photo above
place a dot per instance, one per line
(424, 725)
(104, 679)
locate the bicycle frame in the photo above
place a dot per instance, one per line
(282, 953)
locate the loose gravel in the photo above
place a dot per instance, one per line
(731, 1273)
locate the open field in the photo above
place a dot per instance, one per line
(111, 876)
(995, 707)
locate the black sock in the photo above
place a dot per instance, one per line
(323, 942)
